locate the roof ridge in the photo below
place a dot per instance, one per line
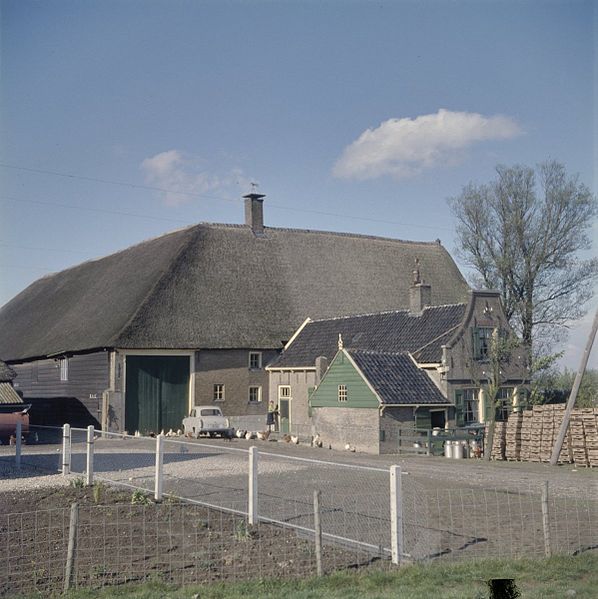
(356, 316)
(376, 352)
(381, 312)
(239, 226)
(437, 338)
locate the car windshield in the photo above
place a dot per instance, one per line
(210, 412)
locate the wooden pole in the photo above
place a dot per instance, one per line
(558, 444)
(546, 520)
(72, 546)
(318, 531)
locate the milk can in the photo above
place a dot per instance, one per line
(448, 449)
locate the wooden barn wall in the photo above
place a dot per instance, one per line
(77, 401)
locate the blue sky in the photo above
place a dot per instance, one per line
(352, 116)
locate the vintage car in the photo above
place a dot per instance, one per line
(207, 420)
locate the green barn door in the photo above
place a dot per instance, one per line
(284, 415)
(157, 393)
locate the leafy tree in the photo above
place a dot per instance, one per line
(523, 234)
(555, 387)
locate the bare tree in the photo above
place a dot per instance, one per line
(523, 234)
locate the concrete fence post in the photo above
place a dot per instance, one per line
(546, 520)
(90, 444)
(252, 508)
(19, 434)
(158, 485)
(396, 514)
(66, 449)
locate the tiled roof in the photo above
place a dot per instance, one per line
(396, 379)
(219, 286)
(8, 395)
(395, 332)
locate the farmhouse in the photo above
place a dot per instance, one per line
(132, 340)
(356, 380)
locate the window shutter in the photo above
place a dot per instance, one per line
(459, 408)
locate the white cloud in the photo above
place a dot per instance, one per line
(405, 147)
(183, 176)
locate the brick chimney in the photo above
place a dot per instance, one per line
(254, 212)
(321, 368)
(420, 294)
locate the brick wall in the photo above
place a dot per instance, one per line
(358, 427)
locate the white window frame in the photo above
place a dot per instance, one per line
(284, 388)
(64, 369)
(259, 360)
(219, 392)
(343, 393)
(259, 394)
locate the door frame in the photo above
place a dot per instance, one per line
(159, 352)
(445, 410)
(289, 401)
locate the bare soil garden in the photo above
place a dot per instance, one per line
(119, 542)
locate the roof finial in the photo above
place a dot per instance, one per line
(254, 186)
(340, 341)
(416, 276)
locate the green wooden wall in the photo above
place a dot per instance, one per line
(342, 372)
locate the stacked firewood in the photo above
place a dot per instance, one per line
(531, 436)
(526, 431)
(499, 441)
(578, 439)
(590, 427)
(513, 436)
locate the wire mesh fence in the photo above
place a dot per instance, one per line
(437, 520)
(173, 543)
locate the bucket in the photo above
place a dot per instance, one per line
(448, 449)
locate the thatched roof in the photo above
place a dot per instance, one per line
(219, 286)
(7, 374)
